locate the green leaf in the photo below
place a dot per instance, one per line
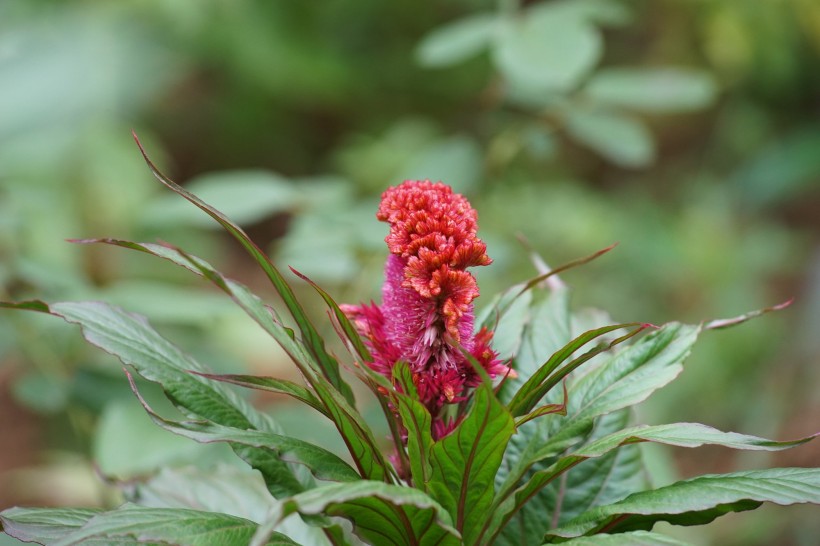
(464, 462)
(348, 329)
(127, 443)
(542, 380)
(130, 525)
(381, 514)
(170, 525)
(456, 41)
(789, 158)
(350, 424)
(618, 382)
(547, 50)
(699, 500)
(312, 340)
(130, 338)
(226, 489)
(632, 374)
(622, 139)
(599, 480)
(270, 384)
(321, 463)
(679, 434)
(244, 196)
(43, 525)
(655, 90)
(635, 538)
(418, 422)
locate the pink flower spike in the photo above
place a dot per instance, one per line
(427, 310)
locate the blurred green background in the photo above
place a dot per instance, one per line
(686, 130)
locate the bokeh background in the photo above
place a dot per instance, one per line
(686, 130)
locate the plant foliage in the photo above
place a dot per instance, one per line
(549, 454)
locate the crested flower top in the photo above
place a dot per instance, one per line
(426, 317)
(434, 230)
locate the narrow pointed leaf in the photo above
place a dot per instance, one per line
(313, 341)
(352, 427)
(508, 297)
(418, 422)
(546, 409)
(347, 327)
(464, 462)
(726, 323)
(381, 514)
(699, 500)
(537, 385)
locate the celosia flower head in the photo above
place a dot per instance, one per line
(426, 317)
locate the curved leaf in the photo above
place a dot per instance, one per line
(270, 384)
(635, 538)
(699, 500)
(323, 464)
(358, 438)
(313, 341)
(456, 41)
(43, 525)
(418, 423)
(381, 514)
(131, 525)
(540, 382)
(679, 434)
(347, 327)
(464, 462)
(130, 338)
(503, 301)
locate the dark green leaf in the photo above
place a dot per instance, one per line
(381, 514)
(464, 462)
(699, 500)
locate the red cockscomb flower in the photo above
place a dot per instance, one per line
(426, 316)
